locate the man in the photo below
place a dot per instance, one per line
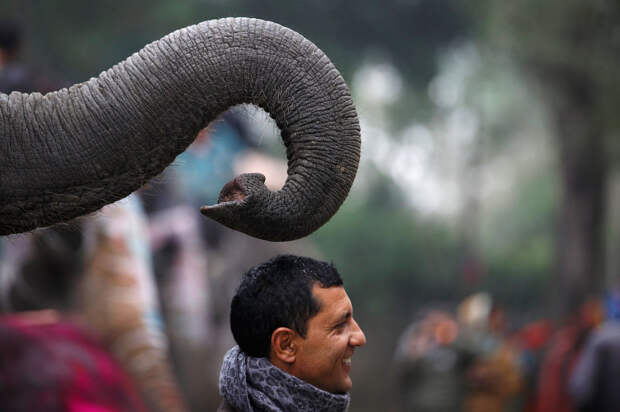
(594, 380)
(293, 323)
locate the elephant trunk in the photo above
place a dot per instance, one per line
(68, 153)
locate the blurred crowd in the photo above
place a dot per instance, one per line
(472, 359)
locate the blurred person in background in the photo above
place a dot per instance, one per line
(532, 341)
(595, 380)
(494, 379)
(296, 335)
(560, 358)
(96, 272)
(430, 368)
(51, 365)
(14, 75)
(118, 300)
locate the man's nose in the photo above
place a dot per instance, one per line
(357, 336)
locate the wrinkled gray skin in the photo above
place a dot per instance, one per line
(70, 152)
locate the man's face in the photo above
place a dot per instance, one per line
(324, 357)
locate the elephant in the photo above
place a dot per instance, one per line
(68, 153)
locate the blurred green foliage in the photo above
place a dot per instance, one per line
(570, 51)
(518, 241)
(579, 36)
(390, 260)
(395, 261)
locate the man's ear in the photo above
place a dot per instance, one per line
(283, 345)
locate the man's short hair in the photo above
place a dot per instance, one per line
(277, 293)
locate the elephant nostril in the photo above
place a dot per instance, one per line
(242, 186)
(232, 191)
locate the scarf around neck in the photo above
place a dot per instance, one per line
(251, 384)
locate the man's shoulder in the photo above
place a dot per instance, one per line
(225, 407)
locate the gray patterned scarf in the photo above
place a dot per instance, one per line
(253, 384)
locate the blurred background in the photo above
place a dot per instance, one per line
(488, 185)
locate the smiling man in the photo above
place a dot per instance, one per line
(293, 323)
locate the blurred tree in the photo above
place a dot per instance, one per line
(81, 39)
(571, 49)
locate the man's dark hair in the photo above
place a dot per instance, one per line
(277, 293)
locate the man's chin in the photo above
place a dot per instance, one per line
(340, 387)
(345, 387)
